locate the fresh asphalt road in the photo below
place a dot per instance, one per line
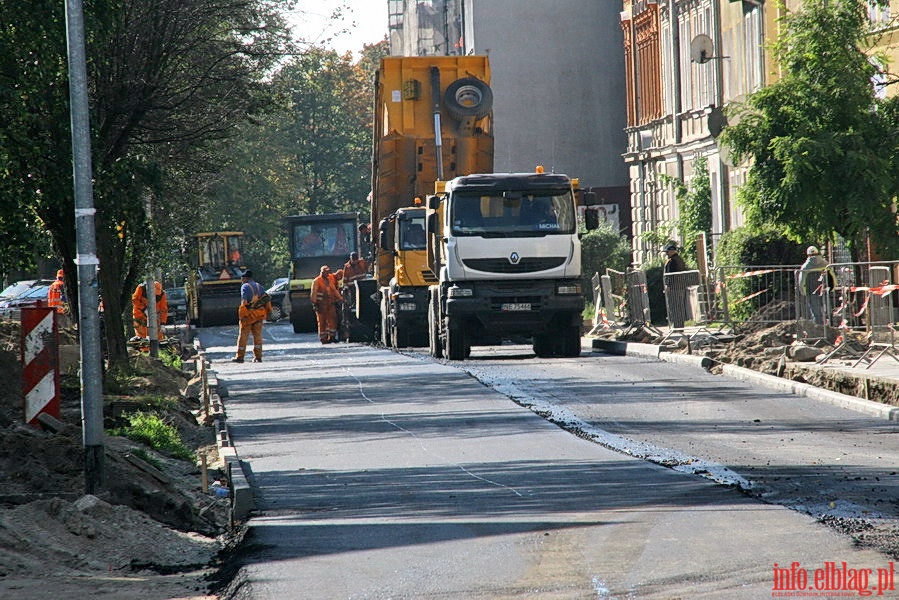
(790, 450)
(392, 475)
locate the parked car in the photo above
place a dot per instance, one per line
(20, 287)
(177, 301)
(280, 299)
(32, 296)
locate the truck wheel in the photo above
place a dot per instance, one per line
(385, 326)
(456, 340)
(543, 345)
(436, 348)
(571, 345)
(468, 97)
(400, 336)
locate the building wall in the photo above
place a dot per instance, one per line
(558, 79)
(557, 73)
(695, 93)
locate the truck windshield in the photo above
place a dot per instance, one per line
(412, 233)
(324, 239)
(513, 214)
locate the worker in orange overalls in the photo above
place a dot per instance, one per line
(325, 296)
(56, 295)
(139, 304)
(355, 268)
(255, 305)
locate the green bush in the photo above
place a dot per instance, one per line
(601, 249)
(750, 247)
(171, 358)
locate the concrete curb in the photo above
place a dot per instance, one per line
(242, 502)
(873, 409)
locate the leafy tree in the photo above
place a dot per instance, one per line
(327, 130)
(167, 79)
(602, 248)
(695, 205)
(822, 147)
(310, 156)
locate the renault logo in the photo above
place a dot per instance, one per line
(514, 258)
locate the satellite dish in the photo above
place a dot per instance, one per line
(701, 49)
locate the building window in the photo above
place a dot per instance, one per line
(878, 16)
(753, 43)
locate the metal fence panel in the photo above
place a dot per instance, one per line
(637, 297)
(614, 293)
(682, 297)
(758, 294)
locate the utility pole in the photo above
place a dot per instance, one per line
(86, 259)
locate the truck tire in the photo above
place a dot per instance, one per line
(436, 348)
(571, 342)
(385, 325)
(456, 340)
(467, 98)
(543, 345)
(400, 336)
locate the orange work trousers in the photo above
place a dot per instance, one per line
(243, 336)
(327, 322)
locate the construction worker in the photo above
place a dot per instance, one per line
(815, 279)
(139, 304)
(355, 268)
(56, 295)
(325, 296)
(255, 305)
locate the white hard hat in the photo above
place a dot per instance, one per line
(811, 251)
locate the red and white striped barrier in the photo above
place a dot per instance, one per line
(40, 363)
(749, 273)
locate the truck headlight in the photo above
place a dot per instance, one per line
(457, 292)
(568, 289)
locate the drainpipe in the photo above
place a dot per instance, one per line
(723, 195)
(677, 106)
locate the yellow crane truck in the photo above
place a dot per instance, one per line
(432, 122)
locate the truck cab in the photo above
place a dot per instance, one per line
(316, 240)
(404, 296)
(508, 257)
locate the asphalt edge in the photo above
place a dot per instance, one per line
(868, 407)
(240, 491)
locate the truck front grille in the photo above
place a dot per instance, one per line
(525, 265)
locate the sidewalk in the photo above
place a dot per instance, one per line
(872, 381)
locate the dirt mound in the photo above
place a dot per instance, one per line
(151, 515)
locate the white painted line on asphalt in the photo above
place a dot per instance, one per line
(422, 445)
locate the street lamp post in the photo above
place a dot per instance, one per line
(86, 259)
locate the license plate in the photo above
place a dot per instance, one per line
(515, 306)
